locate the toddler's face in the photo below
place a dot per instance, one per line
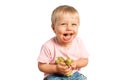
(66, 28)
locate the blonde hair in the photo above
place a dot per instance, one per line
(63, 9)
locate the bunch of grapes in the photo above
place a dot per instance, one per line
(68, 62)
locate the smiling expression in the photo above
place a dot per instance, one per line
(66, 28)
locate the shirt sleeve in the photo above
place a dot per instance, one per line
(44, 56)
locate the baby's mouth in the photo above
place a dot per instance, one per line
(67, 36)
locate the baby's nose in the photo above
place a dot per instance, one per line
(69, 27)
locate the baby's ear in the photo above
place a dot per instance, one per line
(53, 27)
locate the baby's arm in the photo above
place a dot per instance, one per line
(60, 68)
(47, 68)
(82, 62)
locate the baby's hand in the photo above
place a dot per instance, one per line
(62, 68)
(73, 65)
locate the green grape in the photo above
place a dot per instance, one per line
(60, 59)
(69, 74)
(68, 61)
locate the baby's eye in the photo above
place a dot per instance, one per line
(62, 23)
(74, 24)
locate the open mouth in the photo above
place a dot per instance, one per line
(67, 36)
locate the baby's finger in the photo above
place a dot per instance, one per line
(62, 63)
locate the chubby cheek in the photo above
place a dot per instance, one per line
(59, 31)
(59, 34)
(76, 30)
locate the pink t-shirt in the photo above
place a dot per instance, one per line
(51, 50)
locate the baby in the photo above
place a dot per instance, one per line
(65, 44)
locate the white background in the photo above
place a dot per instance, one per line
(25, 26)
